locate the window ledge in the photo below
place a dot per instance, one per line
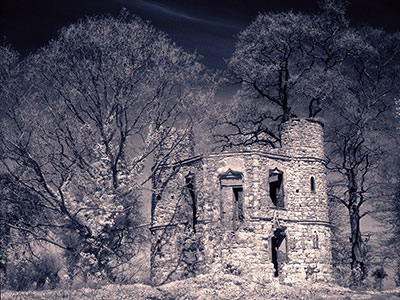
(278, 208)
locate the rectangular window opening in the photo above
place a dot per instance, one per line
(237, 207)
(276, 188)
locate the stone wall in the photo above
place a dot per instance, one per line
(302, 138)
(238, 228)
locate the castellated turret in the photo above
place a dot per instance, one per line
(261, 214)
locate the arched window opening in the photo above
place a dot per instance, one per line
(276, 187)
(312, 184)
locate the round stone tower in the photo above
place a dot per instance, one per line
(303, 138)
(307, 202)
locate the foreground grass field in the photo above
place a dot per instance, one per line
(205, 287)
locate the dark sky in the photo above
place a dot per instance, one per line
(206, 26)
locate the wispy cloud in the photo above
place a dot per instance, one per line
(160, 8)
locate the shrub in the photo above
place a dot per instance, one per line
(20, 276)
(46, 268)
(24, 271)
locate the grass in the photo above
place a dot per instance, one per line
(206, 287)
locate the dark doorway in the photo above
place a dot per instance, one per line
(274, 249)
(278, 250)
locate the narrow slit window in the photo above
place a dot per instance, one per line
(312, 184)
(276, 187)
(315, 240)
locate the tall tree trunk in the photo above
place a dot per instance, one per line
(357, 263)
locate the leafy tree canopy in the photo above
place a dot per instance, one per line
(85, 121)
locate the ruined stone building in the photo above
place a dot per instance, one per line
(261, 214)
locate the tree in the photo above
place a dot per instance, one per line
(293, 65)
(393, 221)
(286, 64)
(387, 213)
(361, 134)
(20, 209)
(102, 98)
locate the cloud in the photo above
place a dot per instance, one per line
(159, 8)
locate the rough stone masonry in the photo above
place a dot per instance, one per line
(260, 214)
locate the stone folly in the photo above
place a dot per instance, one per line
(258, 214)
